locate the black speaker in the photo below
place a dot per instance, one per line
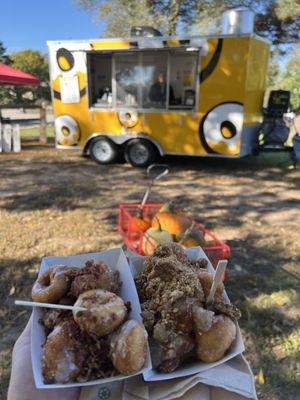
(278, 104)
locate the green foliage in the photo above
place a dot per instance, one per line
(31, 62)
(4, 91)
(291, 81)
(4, 58)
(34, 63)
(273, 74)
(121, 15)
(277, 20)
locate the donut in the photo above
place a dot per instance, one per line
(212, 345)
(206, 279)
(105, 312)
(94, 276)
(181, 312)
(53, 284)
(175, 352)
(128, 348)
(62, 354)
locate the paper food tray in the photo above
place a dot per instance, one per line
(116, 261)
(232, 380)
(136, 264)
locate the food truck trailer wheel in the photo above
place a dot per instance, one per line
(140, 153)
(104, 151)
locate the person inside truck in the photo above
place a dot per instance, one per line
(158, 91)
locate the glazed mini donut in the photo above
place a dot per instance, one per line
(105, 312)
(128, 348)
(171, 355)
(206, 279)
(62, 355)
(212, 345)
(53, 284)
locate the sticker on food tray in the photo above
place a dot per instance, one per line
(69, 89)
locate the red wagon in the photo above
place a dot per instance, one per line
(214, 249)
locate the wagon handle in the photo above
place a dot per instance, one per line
(165, 172)
(154, 178)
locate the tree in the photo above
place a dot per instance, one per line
(277, 20)
(34, 63)
(273, 74)
(291, 81)
(4, 58)
(121, 15)
(4, 91)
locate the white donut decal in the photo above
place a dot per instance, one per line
(220, 129)
(128, 118)
(67, 131)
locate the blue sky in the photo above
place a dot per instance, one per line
(28, 24)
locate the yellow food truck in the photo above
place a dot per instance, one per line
(151, 95)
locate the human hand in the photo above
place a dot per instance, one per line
(21, 385)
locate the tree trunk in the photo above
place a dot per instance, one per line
(43, 124)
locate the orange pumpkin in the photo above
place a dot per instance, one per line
(139, 224)
(173, 223)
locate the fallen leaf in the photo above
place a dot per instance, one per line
(12, 290)
(260, 377)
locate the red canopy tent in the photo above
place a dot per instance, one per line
(10, 76)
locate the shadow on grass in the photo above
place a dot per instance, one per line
(66, 184)
(254, 276)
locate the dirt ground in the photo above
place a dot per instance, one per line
(58, 203)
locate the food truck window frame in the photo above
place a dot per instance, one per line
(169, 109)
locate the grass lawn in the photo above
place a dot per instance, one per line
(57, 202)
(34, 132)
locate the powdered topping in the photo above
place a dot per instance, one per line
(172, 290)
(65, 366)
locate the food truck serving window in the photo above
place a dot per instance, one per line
(147, 80)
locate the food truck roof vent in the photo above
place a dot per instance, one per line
(238, 21)
(144, 31)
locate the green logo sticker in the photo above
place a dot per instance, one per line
(104, 393)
